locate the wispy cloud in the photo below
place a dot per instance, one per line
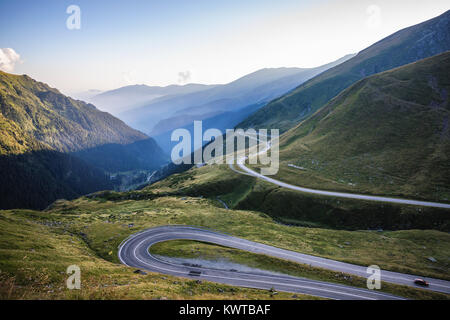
(374, 19)
(8, 59)
(129, 77)
(184, 76)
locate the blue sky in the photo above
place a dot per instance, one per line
(128, 42)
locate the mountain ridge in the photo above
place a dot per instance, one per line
(405, 46)
(54, 146)
(386, 132)
(121, 99)
(36, 107)
(259, 86)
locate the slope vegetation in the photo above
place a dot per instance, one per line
(37, 247)
(56, 121)
(387, 134)
(52, 146)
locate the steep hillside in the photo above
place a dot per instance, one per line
(37, 178)
(52, 146)
(57, 121)
(408, 45)
(221, 121)
(114, 157)
(386, 134)
(34, 116)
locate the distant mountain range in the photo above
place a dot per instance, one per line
(125, 98)
(408, 45)
(54, 146)
(222, 106)
(86, 95)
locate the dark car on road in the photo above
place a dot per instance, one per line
(421, 282)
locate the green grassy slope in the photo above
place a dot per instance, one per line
(37, 247)
(57, 121)
(387, 134)
(34, 116)
(408, 45)
(296, 208)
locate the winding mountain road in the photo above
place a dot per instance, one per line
(134, 252)
(248, 171)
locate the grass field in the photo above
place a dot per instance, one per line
(37, 246)
(296, 208)
(36, 250)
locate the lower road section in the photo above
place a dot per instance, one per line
(134, 252)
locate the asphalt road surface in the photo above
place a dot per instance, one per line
(134, 252)
(248, 171)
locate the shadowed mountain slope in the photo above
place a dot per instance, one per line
(41, 130)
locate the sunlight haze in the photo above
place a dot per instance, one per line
(147, 42)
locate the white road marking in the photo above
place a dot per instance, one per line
(241, 164)
(217, 239)
(253, 280)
